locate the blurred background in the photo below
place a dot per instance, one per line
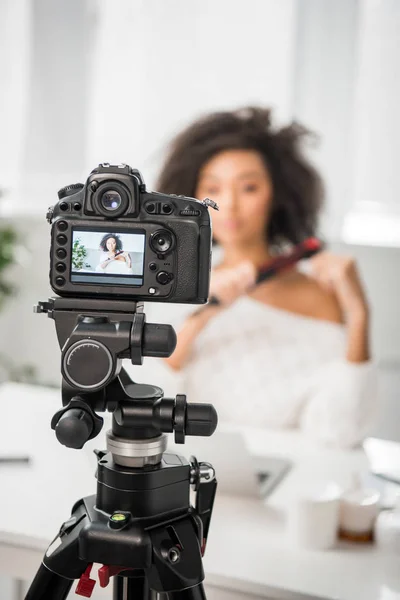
(89, 81)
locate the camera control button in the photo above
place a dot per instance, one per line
(61, 267)
(153, 267)
(61, 253)
(62, 239)
(60, 281)
(152, 291)
(151, 208)
(167, 209)
(62, 225)
(189, 212)
(163, 277)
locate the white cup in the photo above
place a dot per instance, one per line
(313, 520)
(358, 511)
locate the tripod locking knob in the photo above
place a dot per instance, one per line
(193, 419)
(74, 428)
(88, 364)
(75, 424)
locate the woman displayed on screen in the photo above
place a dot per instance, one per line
(113, 259)
(293, 351)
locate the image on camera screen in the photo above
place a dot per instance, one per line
(107, 258)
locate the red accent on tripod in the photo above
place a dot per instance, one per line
(85, 584)
(106, 571)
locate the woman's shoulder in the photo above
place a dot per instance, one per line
(300, 294)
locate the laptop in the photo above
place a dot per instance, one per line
(384, 458)
(237, 472)
(384, 470)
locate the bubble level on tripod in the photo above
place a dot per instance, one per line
(118, 517)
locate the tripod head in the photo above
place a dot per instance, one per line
(94, 336)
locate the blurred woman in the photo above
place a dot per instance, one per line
(292, 351)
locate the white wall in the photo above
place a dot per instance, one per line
(375, 215)
(160, 64)
(112, 80)
(15, 41)
(323, 95)
(377, 100)
(46, 95)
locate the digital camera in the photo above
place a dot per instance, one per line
(111, 238)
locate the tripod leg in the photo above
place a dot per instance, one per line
(61, 563)
(48, 586)
(131, 588)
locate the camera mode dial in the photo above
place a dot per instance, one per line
(69, 190)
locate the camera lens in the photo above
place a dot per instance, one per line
(111, 200)
(161, 242)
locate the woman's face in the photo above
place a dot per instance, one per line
(241, 185)
(111, 244)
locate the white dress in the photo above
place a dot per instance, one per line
(114, 267)
(266, 367)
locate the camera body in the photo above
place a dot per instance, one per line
(111, 238)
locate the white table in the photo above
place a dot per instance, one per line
(247, 552)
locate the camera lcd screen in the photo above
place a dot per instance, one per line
(107, 257)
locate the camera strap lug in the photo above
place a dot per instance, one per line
(210, 203)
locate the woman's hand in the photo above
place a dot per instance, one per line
(104, 264)
(128, 259)
(339, 274)
(229, 283)
(124, 257)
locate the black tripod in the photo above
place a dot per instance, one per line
(140, 526)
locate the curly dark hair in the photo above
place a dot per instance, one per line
(297, 187)
(108, 236)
